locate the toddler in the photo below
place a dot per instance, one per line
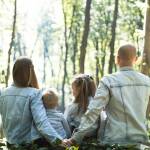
(56, 118)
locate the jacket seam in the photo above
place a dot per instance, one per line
(120, 86)
(15, 95)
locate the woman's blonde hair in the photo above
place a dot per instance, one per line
(24, 74)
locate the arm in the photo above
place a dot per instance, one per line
(90, 117)
(66, 127)
(40, 118)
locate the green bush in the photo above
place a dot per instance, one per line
(83, 146)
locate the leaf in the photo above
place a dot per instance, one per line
(72, 148)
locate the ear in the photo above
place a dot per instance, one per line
(117, 60)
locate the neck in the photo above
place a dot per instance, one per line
(125, 66)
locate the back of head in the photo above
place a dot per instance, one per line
(24, 74)
(86, 86)
(91, 85)
(50, 98)
(127, 54)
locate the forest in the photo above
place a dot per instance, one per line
(67, 37)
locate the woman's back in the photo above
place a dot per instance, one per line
(16, 113)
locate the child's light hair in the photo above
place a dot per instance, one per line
(50, 98)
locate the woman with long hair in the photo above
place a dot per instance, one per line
(21, 107)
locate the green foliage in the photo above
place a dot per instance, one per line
(72, 148)
(84, 146)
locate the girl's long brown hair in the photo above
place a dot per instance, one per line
(24, 74)
(87, 87)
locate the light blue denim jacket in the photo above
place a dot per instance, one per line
(22, 113)
(72, 115)
(125, 95)
(59, 123)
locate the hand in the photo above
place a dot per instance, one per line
(68, 142)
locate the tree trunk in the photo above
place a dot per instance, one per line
(97, 61)
(112, 42)
(75, 49)
(85, 36)
(11, 43)
(146, 54)
(65, 60)
(103, 49)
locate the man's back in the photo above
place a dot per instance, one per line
(129, 93)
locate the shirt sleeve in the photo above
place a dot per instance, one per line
(66, 127)
(41, 120)
(91, 116)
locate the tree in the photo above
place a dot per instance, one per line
(11, 43)
(146, 54)
(85, 36)
(19, 47)
(66, 57)
(100, 34)
(75, 32)
(72, 21)
(112, 42)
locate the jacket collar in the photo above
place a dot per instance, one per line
(51, 110)
(126, 68)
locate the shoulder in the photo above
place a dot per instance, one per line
(105, 80)
(143, 75)
(72, 106)
(71, 109)
(33, 92)
(144, 78)
(59, 114)
(90, 98)
(54, 112)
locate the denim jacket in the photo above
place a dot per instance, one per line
(22, 112)
(72, 115)
(59, 123)
(124, 95)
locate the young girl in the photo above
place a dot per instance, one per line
(83, 89)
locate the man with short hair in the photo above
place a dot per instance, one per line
(124, 95)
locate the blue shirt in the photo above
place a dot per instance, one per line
(22, 112)
(59, 123)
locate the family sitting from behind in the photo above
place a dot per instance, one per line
(114, 113)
